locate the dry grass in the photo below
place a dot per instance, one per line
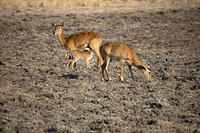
(75, 3)
(56, 3)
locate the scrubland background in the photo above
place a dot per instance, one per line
(39, 94)
(75, 3)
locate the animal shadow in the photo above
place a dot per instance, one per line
(69, 76)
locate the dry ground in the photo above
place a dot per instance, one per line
(39, 94)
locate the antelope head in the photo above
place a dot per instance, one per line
(58, 29)
(147, 72)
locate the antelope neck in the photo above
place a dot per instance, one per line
(61, 39)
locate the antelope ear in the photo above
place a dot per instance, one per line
(53, 24)
(148, 69)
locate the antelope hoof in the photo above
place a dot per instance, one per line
(98, 66)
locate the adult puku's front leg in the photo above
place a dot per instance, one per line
(122, 69)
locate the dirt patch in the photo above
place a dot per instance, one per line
(39, 94)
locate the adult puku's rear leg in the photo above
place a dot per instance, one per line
(95, 46)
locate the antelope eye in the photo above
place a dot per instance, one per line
(149, 72)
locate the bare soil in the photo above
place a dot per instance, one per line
(39, 94)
